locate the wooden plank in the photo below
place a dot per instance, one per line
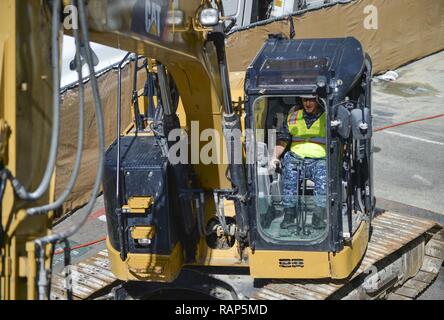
(87, 277)
(380, 248)
(412, 220)
(399, 230)
(58, 290)
(379, 233)
(80, 291)
(365, 265)
(103, 253)
(98, 272)
(319, 290)
(394, 296)
(83, 286)
(400, 236)
(369, 261)
(371, 253)
(292, 291)
(308, 291)
(405, 227)
(100, 262)
(90, 281)
(323, 289)
(267, 294)
(403, 224)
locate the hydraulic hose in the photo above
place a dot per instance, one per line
(19, 189)
(74, 175)
(231, 123)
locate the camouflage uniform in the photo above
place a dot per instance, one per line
(296, 170)
(294, 173)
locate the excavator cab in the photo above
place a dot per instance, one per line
(306, 225)
(337, 73)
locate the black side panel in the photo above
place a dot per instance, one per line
(144, 172)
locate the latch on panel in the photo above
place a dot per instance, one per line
(143, 236)
(138, 204)
(145, 232)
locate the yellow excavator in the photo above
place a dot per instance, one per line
(190, 201)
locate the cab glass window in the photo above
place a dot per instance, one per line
(291, 198)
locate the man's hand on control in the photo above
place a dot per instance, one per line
(278, 152)
(274, 164)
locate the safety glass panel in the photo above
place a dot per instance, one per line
(291, 193)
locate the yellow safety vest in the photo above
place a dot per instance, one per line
(307, 143)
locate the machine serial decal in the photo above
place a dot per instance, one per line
(291, 263)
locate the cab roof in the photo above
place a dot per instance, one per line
(285, 66)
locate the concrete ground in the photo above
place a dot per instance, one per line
(93, 229)
(409, 160)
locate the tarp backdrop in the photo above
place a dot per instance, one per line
(406, 30)
(69, 128)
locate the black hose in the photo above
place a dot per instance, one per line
(137, 116)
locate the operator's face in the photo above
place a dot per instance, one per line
(310, 105)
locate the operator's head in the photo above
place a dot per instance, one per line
(311, 106)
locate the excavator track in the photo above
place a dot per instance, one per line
(403, 259)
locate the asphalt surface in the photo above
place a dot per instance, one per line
(93, 229)
(408, 160)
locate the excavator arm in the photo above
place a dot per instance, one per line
(168, 31)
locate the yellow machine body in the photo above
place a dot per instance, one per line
(25, 96)
(25, 109)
